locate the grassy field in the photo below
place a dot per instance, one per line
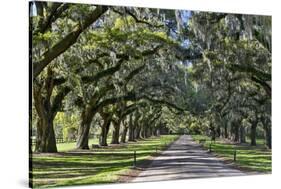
(256, 158)
(104, 165)
(66, 146)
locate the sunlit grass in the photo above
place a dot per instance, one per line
(102, 165)
(256, 158)
(66, 146)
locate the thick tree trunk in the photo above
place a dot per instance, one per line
(242, 138)
(267, 131)
(268, 137)
(137, 132)
(83, 135)
(143, 132)
(46, 140)
(218, 130)
(157, 132)
(152, 131)
(148, 132)
(225, 131)
(104, 132)
(236, 132)
(131, 129)
(115, 134)
(253, 133)
(84, 129)
(131, 132)
(212, 132)
(124, 134)
(46, 108)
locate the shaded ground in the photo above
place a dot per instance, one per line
(185, 159)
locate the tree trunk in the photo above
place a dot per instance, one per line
(236, 132)
(157, 132)
(104, 132)
(84, 129)
(46, 140)
(253, 133)
(132, 128)
(267, 132)
(152, 131)
(115, 134)
(137, 132)
(131, 132)
(218, 130)
(147, 132)
(242, 138)
(213, 132)
(124, 134)
(143, 132)
(83, 136)
(225, 131)
(268, 137)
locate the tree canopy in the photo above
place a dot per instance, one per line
(138, 72)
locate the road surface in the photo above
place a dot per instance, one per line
(185, 159)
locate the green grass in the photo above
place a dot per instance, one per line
(104, 165)
(66, 146)
(256, 158)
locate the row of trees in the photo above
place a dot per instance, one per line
(234, 74)
(137, 70)
(110, 64)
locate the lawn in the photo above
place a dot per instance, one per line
(66, 146)
(256, 158)
(103, 165)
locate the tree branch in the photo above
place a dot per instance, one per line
(67, 41)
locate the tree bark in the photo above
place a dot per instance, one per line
(235, 132)
(213, 132)
(143, 132)
(225, 131)
(268, 137)
(253, 133)
(84, 129)
(148, 132)
(46, 140)
(267, 131)
(131, 129)
(137, 132)
(104, 131)
(124, 134)
(242, 138)
(218, 130)
(115, 134)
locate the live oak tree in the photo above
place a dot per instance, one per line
(236, 55)
(137, 72)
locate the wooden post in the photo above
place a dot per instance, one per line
(135, 159)
(234, 155)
